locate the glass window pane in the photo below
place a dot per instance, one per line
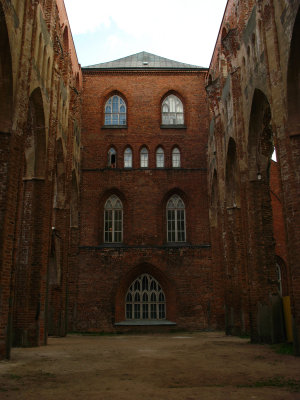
(160, 158)
(137, 314)
(153, 311)
(149, 299)
(128, 311)
(145, 311)
(115, 111)
(172, 111)
(144, 158)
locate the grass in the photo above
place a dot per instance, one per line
(283, 348)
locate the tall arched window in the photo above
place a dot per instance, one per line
(172, 111)
(112, 158)
(128, 158)
(160, 158)
(176, 158)
(115, 111)
(175, 219)
(144, 158)
(145, 299)
(113, 220)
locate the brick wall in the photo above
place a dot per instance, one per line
(184, 271)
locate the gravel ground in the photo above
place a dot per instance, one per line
(185, 366)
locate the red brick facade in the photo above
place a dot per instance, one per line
(182, 269)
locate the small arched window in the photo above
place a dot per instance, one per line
(128, 158)
(144, 158)
(112, 158)
(145, 299)
(172, 111)
(160, 158)
(175, 219)
(176, 158)
(115, 111)
(113, 220)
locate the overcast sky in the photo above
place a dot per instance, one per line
(182, 30)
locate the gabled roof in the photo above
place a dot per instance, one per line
(143, 60)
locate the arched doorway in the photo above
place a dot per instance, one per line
(262, 272)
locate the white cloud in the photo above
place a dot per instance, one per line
(173, 27)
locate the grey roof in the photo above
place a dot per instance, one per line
(143, 60)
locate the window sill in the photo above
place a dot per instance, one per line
(141, 322)
(177, 244)
(114, 127)
(173, 126)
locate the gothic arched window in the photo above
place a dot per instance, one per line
(144, 158)
(145, 299)
(172, 111)
(113, 220)
(112, 158)
(128, 158)
(176, 158)
(115, 111)
(160, 158)
(175, 219)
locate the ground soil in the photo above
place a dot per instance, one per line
(188, 366)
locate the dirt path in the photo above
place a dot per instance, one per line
(197, 366)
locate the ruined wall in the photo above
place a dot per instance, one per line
(249, 95)
(40, 151)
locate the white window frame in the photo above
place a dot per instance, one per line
(176, 209)
(172, 112)
(176, 158)
(144, 157)
(145, 300)
(115, 111)
(128, 158)
(113, 212)
(160, 157)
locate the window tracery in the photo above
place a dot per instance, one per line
(145, 300)
(115, 111)
(172, 111)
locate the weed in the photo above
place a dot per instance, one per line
(283, 348)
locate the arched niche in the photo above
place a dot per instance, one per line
(35, 142)
(66, 39)
(261, 262)
(260, 139)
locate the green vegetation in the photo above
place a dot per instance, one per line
(283, 348)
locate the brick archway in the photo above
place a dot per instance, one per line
(29, 297)
(262, 273)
